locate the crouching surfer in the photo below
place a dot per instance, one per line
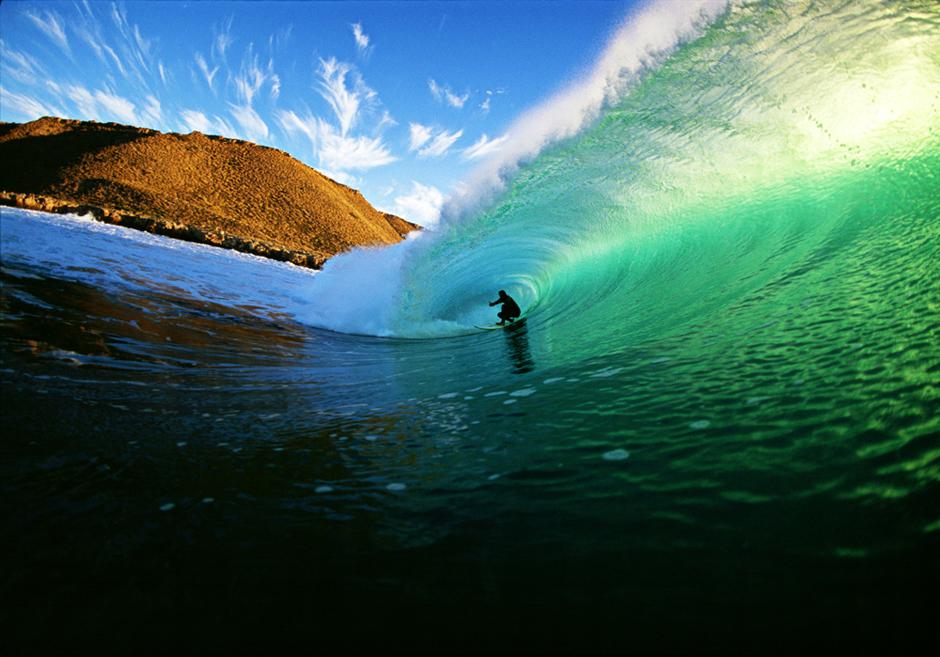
(510, 310)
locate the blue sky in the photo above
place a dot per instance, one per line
(400, 100)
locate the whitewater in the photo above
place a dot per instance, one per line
(716, 431)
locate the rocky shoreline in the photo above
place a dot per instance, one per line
(175, 230)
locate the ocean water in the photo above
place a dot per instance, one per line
(717, 430)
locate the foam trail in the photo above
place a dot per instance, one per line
(359, 292)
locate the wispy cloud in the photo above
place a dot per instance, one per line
(346, 102)
(362, 41)
(21, 106)
(223, 38)
(207, 73)
(253, 126)
(83, 100)
(490, 94)
(114, 106)
(134, 49)
(20, 66)
(101, 105)
(336, 152)
(422, 205)
(482, 147)
(419, 135)
(152, 112)
(292, 124)
(385, 122)
(50, 23)
(440, 143)
(444, 94)
(252, 78)
(196, 120)
(430, 142)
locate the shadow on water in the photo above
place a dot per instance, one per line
(517, 346)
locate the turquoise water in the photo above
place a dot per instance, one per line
(716, 431)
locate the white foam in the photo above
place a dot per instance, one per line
(396, 487)
(616, 455)
(700, 424)
(522, 392)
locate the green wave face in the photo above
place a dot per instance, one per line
(780, 170)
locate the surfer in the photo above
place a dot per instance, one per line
(510, 310)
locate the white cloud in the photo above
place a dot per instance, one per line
(423, 205)
(444, 94)
(152, 113)
(142, 52)
(338, 152)
(50, 24)
(253, 126)
(342, 177)
(114, 58)
(436, 90)
(419, 135)
(223, 38)
(116, 107)
(482, 147)
(194, 120)
(362, 40)
(485, 105)
(208, 74)
(293, 124)
(101, 105)
(440, 143)
(84, 101)
(454, 100)
(345, 102)
(385, 121)
(23, 106)
(20, 66)
(252, 78)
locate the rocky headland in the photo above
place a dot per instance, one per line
(213, 190)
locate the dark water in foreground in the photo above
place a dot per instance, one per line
(189, 475)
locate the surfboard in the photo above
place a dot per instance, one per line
(494, 327)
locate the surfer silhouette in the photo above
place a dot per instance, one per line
(510, 310)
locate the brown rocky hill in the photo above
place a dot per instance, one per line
(202, 188)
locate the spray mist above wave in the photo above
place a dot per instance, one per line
(362, 291)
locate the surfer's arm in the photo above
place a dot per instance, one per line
(493, 303)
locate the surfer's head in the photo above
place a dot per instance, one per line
(502, 293)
